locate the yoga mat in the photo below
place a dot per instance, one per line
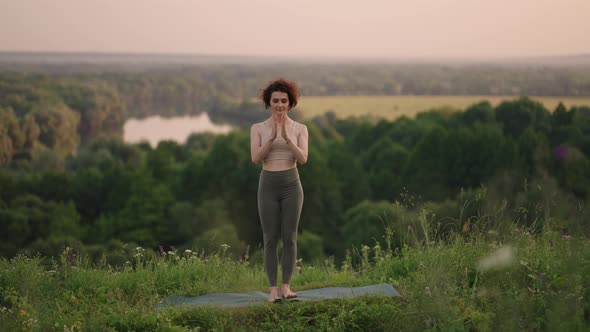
(257, 297)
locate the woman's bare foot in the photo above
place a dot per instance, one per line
(287, 293)
(274, 294)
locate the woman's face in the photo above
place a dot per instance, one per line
(279, 103)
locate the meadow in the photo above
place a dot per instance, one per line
(487, 281)
(392, 107)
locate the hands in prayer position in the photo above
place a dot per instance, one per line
(279, 122)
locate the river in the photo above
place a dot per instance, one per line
(155, 128)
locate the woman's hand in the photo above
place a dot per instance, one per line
(273, 132)
(284, 130)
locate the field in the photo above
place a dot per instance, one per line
(392, 107)
(486, 282)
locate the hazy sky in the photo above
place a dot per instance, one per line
(365, 28)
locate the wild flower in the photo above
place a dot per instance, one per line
(299, 263)
(77, 326)
(365, 250)
(30, 323)
(378, 253)
(70, 253)
(225, 247)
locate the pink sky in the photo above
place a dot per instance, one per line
(367, 28)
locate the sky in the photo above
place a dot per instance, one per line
(300, 28)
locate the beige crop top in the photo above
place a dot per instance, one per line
(279, 148)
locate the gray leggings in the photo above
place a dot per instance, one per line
(280, 200)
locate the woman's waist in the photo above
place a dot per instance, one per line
(279, 177)
(276, 165)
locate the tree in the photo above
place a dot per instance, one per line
(562, 128)
(482, 112)
(228, 173)
(323, 200)
(533, 151)
(11, 138)
(366, 223)
(15, 231)
(31, 132)
(58, 128)
(384, 162)
(310, 247)
(425, 174)
(350, 177)
(472, 155)
(518, 115)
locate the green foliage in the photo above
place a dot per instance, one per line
(473, 155)
(423, 168)
(384, 161)
(58, 128)
(516, 116)
(310, 247)
(537, 283)
(366, 222)
(481, 112)
(173, 194)
(222, 238)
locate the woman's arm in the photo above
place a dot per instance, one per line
(258, 149)
(299, 148)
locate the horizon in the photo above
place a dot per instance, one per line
(374, 29)
(304, 58)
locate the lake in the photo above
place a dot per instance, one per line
(155, 128)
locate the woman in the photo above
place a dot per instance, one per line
(279, 143)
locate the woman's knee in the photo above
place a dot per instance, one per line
(271, 239)
(290, 239)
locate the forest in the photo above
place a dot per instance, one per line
(68, 179)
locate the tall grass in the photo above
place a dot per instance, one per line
(516, 280)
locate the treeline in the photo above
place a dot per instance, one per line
(39, 113)
(443, 172)
(178, 89)
(58, 107)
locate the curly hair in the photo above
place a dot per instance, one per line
(281, 85)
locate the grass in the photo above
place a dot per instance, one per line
(392, 107)
(484, 282)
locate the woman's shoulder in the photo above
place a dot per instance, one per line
(299, 128)
(257, 125)
(299, 125)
